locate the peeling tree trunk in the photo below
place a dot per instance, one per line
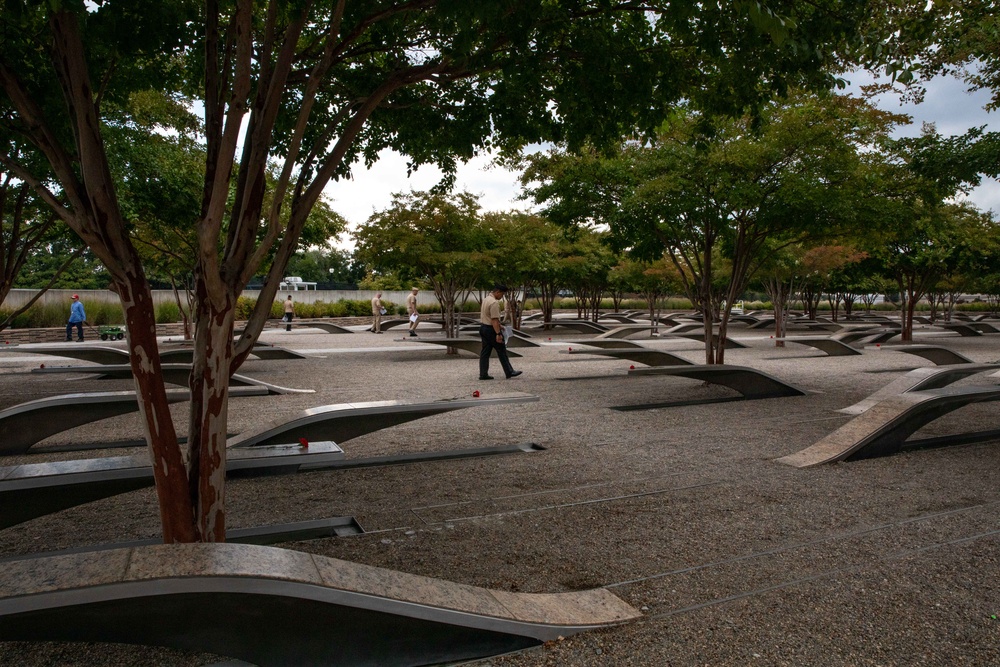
(547, 303)
(935, 299)
(950, 304)
(447, 295)
(595, 295)
(849, 300)
(651, 298)
(617, 296)
(834, 300)
(170, 467)
(778, 291)
(515, 306)
(183, 308)
(208, 420)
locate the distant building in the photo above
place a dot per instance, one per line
(294, 284)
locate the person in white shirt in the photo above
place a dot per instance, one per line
(411, 310)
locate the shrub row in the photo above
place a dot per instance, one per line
(102, 314)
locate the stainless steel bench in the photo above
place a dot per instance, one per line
(271, 606)
(642, 355)
(884, 428)
(23, 425)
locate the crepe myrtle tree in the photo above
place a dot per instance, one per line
(523, 249)
(430, 238)
(29, 229)
(653, 280)
(725, 199)
(315, 87)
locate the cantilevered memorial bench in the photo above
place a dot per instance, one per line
(516, 339)
(26, 424)
(813, 326)
(831, 346)
(175, 374)
(35, 489)
(328, 327)
(762, 323)
(98, 354)
(941, 356)
(184, 355)
(473, 345)
(667, 320)
(984, 327)
(884, 428)
(514, 333)
(399, 321)
(920, 379)
(603, 343)
(964, 330)
(271, 606)
(750, 383)
(31, 490)
(976, 324)
(617, 317)
(683, 327)
(344, 421)
(580, 326)
(394, 322)
(628, 330)
(102, 354)
(275, 533)
(730, 343)
(844, 343)
(641, 355)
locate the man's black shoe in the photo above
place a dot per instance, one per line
(485, 377)
(413, 334)
(514, 374)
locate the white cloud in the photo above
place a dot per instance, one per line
(947, 104)
(953, 110)
(371, 190)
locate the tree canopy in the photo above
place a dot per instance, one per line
(310, 88)
(734, 195)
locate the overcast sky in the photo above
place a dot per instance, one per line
(947, 104)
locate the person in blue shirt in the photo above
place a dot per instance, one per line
(77, 317)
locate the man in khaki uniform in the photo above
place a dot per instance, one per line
(491, 333)
(289, 313)
(377, 313)
(411, 310)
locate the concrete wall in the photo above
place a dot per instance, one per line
(333, 296)
(18, 297)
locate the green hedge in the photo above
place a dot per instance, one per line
(340, 308)
(167, 313)
(50, 315)
(102, 314)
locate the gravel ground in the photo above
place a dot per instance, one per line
(732, 558)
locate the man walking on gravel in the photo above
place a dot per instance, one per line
(289, 313)
(377, 311)
(411, 310)
(491, 333)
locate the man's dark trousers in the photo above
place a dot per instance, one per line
(489, 337)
